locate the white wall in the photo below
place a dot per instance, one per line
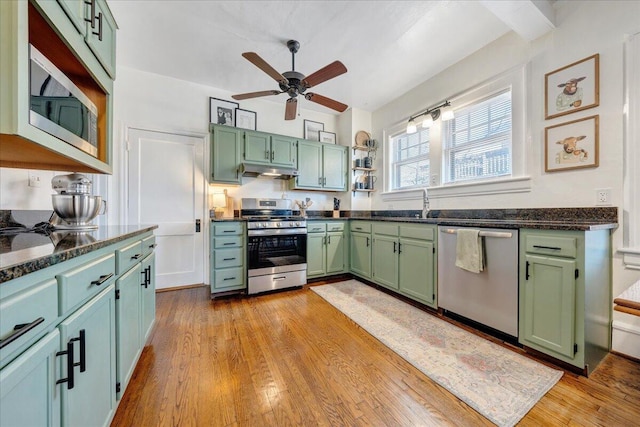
(155, 102)
(583, 29)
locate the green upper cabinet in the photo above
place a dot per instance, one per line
(58, 30)
(226, 154)
(309, 166)
(268, 149)
(321, 167)
(101, 35)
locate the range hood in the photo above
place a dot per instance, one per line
(277, 172)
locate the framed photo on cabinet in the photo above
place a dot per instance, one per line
(329, 137)
(312, 130)
(246, 119)
(222, 112)
(572, 88)
(572, 145)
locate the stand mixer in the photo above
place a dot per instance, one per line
(74, 207)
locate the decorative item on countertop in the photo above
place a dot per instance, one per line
(336, 207)
(219, 203)
(304, 205)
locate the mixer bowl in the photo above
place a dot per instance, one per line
(76, 209)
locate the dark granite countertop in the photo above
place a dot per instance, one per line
(26, 253)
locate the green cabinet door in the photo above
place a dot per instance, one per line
(335, 254)
(334, 165)
(101, 37)
(316, 254)
(309, 165)
(148, 298)
(92, 400)
(283, 150)
(226, 154)
(360, 251)
(28, 395)
(75, 9)
(385, 260)
(128, 306)
(548, 304)
(257, 147)
(417, 266)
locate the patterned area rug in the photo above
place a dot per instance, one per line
(498, 383)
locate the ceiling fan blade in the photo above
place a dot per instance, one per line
(262, 64)
(327, 102)
(291, 109)
(322, 75)
(256, 94)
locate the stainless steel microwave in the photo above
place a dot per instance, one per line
(59, 107)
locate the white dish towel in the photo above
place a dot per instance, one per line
(469, 253)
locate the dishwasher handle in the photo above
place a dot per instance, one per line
(498, 234)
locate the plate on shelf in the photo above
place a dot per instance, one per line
(361, 138)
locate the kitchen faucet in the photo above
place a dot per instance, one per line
(425, 204)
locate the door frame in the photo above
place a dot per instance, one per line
(124, 181)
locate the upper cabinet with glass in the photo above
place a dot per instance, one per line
(40, 124)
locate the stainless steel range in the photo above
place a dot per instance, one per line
(276, 245)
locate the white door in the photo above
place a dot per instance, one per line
(166, 186)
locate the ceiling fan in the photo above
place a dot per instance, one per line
(294, 83)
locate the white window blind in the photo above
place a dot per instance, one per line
(477, 142)
(410, 160)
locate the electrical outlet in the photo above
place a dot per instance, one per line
(433, 180)
(603, 197)
(34, 179)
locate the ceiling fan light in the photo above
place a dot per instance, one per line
(411, 126)
(447, 114)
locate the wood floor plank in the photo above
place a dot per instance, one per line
(290, 358)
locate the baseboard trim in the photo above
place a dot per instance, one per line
(178, 288)
(625, 339)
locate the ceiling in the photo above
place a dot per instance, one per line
(388, 47)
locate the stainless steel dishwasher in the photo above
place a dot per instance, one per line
(489, 297)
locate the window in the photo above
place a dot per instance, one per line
(481, 151)
(477, 142)
(410, 160)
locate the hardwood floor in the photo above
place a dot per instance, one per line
(292, 359)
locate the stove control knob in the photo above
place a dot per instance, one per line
(262, 225)
(278, 224)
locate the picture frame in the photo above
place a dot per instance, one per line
(312, 130)
(574, 87)
(222, 112)
(572, 145)
(328, 137)
(246, 119)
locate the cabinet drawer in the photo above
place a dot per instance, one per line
(417, 232)
(148, 244)
(227, 242)
(335, 226)
(552, 245)
(81, 283)
(388, 229)
(361, 227)
(128, 256)
(229, 277)
(228, 229)
(228, 258)
(316, 227)
(27, 308)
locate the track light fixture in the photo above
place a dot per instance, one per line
(430, 115)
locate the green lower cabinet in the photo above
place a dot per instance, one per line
(316, 255)
(385, 260)
(128, 315)
(548, 318)
(29, 395)
(565, 294)
(227, 258)
(326, 253)
(417, 263)
(92, 399)
(360, 254)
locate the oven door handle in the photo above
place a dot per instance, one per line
(277, 232)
